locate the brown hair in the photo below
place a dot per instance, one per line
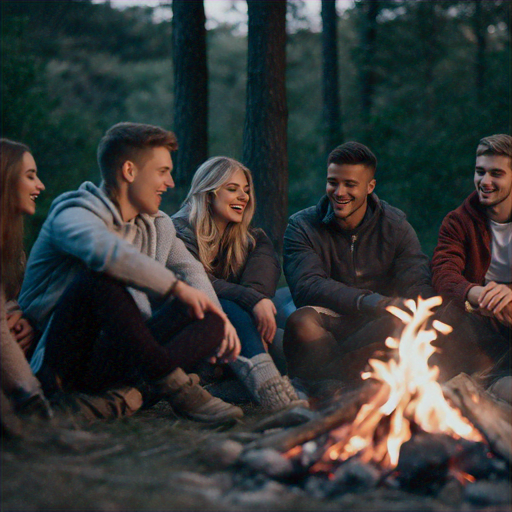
(11, 220)
(353, 153)
(129, 141)
(500, 144)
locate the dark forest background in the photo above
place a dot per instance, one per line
(420, 82)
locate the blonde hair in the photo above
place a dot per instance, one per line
(236, 241)
(11, 220)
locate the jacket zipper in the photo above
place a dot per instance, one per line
(352, 244)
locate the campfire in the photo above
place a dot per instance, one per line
(398, 429)
(410, 396)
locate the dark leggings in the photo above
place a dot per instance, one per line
(98, 338)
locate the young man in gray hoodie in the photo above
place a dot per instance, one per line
(116, 295)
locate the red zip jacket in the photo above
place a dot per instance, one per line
(463, 252)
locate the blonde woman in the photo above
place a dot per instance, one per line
(215, 224)
(20, 188)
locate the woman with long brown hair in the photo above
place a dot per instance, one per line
(20, 188)
(215, 224)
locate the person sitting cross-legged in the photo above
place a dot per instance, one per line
(472, 269)
(21, 186)
(118, 298)
(345, 260)
(215, 224)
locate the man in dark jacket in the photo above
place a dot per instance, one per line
(472, 262)
(346, 260)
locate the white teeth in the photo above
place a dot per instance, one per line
(236, 207)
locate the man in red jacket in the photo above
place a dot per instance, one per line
(471, 266)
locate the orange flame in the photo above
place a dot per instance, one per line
(410, 394)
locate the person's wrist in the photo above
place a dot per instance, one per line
(372, 303)
(173, 289)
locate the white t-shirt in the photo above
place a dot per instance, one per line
(500, 269)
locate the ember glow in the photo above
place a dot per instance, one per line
(410, 395)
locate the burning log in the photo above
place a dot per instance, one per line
(400, 420)
(492, 417)
(285, 440)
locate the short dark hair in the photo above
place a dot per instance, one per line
(129, 141)
(353, 153)
(500, 144)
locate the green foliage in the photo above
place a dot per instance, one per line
(71, 69)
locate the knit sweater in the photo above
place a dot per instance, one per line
(463, 252)
(84, 228)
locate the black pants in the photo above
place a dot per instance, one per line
(319, 346)
(98, 338)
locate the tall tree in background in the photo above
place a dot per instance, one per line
(265, 137)
(330, 83)
(369, 12)
(479, 28)
(190, 87)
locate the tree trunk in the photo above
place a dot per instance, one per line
(369, 39)
(265, 137)
(190, 87)
(330, 82)
(479, 29)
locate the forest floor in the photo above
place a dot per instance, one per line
(156, 462)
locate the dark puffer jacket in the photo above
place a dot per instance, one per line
(330, 267)
(259, 276)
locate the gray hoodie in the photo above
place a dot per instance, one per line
(84, 228)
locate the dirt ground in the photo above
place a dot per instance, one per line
(156, 462)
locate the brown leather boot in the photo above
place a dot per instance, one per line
(190, 400)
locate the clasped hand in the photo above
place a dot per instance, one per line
(19, 326)
(495, 300)
(264, 314)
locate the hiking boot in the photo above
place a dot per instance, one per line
(115, 403)
(189, 399)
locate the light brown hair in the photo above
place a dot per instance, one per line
(129, 141)
(500, 144)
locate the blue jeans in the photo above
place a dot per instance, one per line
(245, 327)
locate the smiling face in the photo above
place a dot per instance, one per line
(148, 180)
(29, 186)
(348, 186)
(493, 181)
(230, 200)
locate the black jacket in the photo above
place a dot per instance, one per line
(330, 267)
(259, 276)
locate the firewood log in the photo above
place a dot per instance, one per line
(492, 417)
(346, 412)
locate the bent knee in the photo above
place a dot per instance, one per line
(304, 326)
(214, 325)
